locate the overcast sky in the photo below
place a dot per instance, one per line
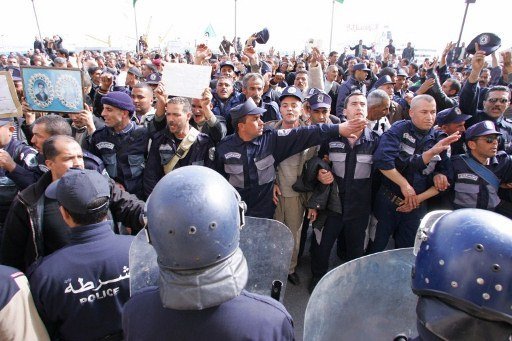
(427, 24)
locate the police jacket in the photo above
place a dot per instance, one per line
(123, 154)
(271, 114)
(80, 290)
(163, 148)
(246, 317)
(346, 89)
(352, 169)
(23, 241)
(250, 166)
(11, 182)
(469, 190)
(401, 147)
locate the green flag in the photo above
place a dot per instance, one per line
(134, 1)
(340, 1)
(209, 32)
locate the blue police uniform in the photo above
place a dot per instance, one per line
(123, 154)
(163, 148)
(346, 89)
(401, 147)
(245, 317)
(11, 182)
(80, 290)
(352, 170)
(470, 190)
(250, 166)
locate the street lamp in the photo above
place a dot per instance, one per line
(464, 19)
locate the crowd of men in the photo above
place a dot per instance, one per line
(359, 146)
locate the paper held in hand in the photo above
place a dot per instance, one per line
(186, 80)
(10, 106)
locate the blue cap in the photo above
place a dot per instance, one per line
(78, 188)
(451, 115)
(227, 63)
(481, 129)
(313, 91)
(320, 100)
(262, 36)
(488, 42)
(361, 66)
(386, 79)
(246, 108)
(120, 100)
(292, 91)
(153, 78)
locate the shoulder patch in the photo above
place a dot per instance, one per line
(283, 132)
(233, 155)
(105, 145)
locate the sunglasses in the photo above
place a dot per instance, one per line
(501, 100)
(489, 139)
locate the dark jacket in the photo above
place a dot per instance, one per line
(23, 241)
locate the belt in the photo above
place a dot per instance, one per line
(395, 199)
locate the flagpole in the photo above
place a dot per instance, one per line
(332, 22)
(136, 29)
(235, 21)
(37, 21)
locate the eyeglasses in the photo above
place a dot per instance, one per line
(489, 139)
(501, 100)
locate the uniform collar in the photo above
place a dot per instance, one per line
(91, 233)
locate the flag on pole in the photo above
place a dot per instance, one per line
(209, 32)
(340, 1)
(134, 1)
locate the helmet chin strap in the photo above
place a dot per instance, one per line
(204, 288)
(440, 321)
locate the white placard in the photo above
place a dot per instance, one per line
(9, 103)
(186, 80)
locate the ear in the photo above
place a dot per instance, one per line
(49, 163)
(471, 145)
(66, 216)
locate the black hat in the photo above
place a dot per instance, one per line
(320, 100)
(227, 63)
(246, 108)
(292, 91)
(451, 115)
(361, 66)
(386, 79)
(262, 36)
(153, 78)
(135, 71)
(481, 129)
(488, 42)
(77, 189)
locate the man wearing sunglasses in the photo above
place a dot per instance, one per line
(495, 101)
(478, 174)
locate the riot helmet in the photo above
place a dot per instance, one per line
(194, 217)
(465, 260)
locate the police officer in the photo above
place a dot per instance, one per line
(202, 270)
(352, 160)
(354, 82)
(477, 175)
(462, 277)
(407, 155)
(177, 146)
(34, 228)
(80, 290)
(19, 319)
(121, 144)
(14, 155)
(450, 121)
(248, 157)
(495, 102)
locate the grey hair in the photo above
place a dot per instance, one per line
(376, 97)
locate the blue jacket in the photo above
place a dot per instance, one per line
(469, 190)
(80, 290)
(352, 168)
(401, 147)
(250, 166)
(245, 317)
(123, 154)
